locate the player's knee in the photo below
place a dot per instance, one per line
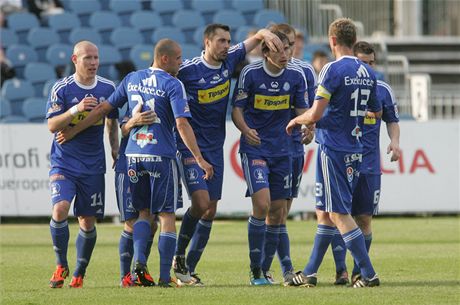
(87, 223)
(61, 211)
(210, 213)
(200, 203)
(168, 222)
(129, 224)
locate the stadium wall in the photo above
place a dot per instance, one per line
(425, 180)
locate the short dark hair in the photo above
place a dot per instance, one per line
(282, 27)
(319, 53)
(363, 47)
(210, 30)
(283, 37)
(345, 31)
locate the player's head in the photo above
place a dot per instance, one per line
(279, 59)
(168, 56)
(85, 57)
(289, 31)
(217, 41)
(365, 52)
(319, 59)
(342, 33)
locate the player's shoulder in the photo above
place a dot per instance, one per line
(61, 84)
(295, 68)
(384, 89)
(235, 48)
(189, 64)
(252, 67)
(105, 81)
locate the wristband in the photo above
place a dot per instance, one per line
(74, 111)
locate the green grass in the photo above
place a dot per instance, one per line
(418, 260)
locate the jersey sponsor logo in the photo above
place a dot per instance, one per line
(54, 108)
(143, 137)
(188, 161)
(214, 94)
(81, 116)
(362, 71)
(146, 89)
(267, 102)
(258, 162)
(150, 82)
(216, 79)
(135, 159)
(369, 121)
(241, 95)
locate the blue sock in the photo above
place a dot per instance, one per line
(339, 250)
(272, 233)
(125, 249)
(149, 247)
(367, 241)
(141, 235)
(86, 240)
(186, 231)
(354, 240)
(166, 245)
(324, 235)
(60, 236)
(199, 241)
(284, 250)
(256, 238)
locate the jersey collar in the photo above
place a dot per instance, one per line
(92, 86)
(209, 65)
(264, 64)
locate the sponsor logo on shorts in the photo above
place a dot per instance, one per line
(214, 94)
(350, 158)
(267, 102)
(56, 177)
(350, 172)
(132, 176)
(258, 162)
(192, 175)
(259, 175)
(188, 161)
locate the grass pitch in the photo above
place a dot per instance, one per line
(417, 259)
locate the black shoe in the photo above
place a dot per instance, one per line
(362, 282)
(341, 278)
(141, 276)
(303, 280)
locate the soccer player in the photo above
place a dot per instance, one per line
(346, 88)
(78, 167)
(207, 81)
(152, 168)
(367, 193)
(262, 103)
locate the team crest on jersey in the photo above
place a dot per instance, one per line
(101, 99)
(143, 137)
(225, 73)
(259, 175)
(132, 176)
(54, 108)
(350, 172)
(286, 86)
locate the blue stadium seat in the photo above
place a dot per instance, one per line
(14, 119)
(207, 8)
(104, 23)
(188, 21)
(124, 9)
(63, 24)
(79, 34)
(166, 9)
(241, 33)
(124, 38)
(47, 87)
(141, 55)
(16, 91)
(37, 73)
(34, 109)
(8, 37)
(198, 36)
(108, 57)
(232, 18)
(168, 32)
(84, 9)
(59, 54)
(21, 23)
(265, 17)
(20, 55)
(190, 50)
(248, 8)
(40, 38)
(146, 23)
(5, 108)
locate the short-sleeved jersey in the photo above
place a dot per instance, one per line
(266, 100)
(152, 89)
(350, 86)
(310, 75)
(208, 89)
(371, 129)
(84, 155)
(121, 164)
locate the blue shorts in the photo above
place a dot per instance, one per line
(366, 195)
(192, 174)
(155, 184)
(124, 201)
(272, 173)
(337, 174)
(297, 171)
(89, 192)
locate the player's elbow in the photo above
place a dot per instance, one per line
(52, 126)
(182, 124)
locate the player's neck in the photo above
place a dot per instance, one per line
(210, 60)
(272, 68)
(341, 51)
(87, 81)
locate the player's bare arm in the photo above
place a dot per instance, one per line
(251, 135)
(187, 135)
(309, 117)
(63, 120)
(272, 41)
(112, 130)
(393, 133)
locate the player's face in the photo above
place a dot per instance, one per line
(280, 59)
(218, 45)
(292, 43)
(174, 61)
(86, 61)
(367, 58)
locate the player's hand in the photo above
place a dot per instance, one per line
(396, 151)
(65, 135)
(272, 41)
(252, 137)
(87, 104)
(147, 117)
(308, 134)
(208, 169)
(292, 124)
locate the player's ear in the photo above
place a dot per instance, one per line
(74, 58)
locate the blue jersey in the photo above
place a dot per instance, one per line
(121, 165)
(310, 75)
(208, 89)
(266, 100)
(84, 155)
(350, 86)
(152, 89)
(371, 129)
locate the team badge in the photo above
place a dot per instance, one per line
(286, 86)
(258, 174)
(55, 189)
(192, 174)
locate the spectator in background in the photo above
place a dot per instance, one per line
(299, 44)
(252, 56)
(6, 66)
(320, 58)
(44, 8)
(8, 7)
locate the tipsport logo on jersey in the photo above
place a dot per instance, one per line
(267, 102)
(206, 96)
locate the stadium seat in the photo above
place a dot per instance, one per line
(248, 8)
(8, 37)
(37, 73)
(124, 38)
(124, 9)
(207, 8)
(34, 109)
(146, 23)
(47, 87)
(188, 21)
(190, 50)
(14, 119)
(168, 32)
(16, 91)
(241, 33)
(232, 18)
(59, 54)
(198, 36)
(40, 38)
(166, 8)
(63, 24)
(21, 23)
(5, 108)
(141, 55)
(84, 9)
(20, 55)
(265, 17)
(108, 57)
(83, 33)
(104, 23)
